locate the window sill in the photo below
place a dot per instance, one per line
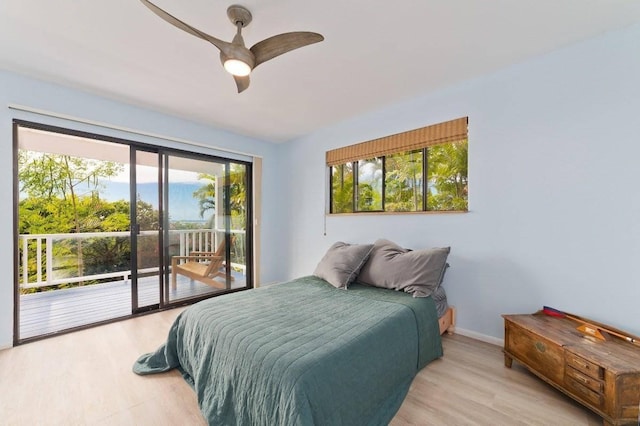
(429, 212)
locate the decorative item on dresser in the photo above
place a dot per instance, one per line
(603, 375)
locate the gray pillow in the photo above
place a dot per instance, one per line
(418, 272)
(342, 262)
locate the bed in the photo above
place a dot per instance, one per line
(303, 352)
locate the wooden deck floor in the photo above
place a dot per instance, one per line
(54, 311)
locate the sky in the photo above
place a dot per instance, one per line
(146, 174)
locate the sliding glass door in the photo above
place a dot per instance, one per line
(107, 228)
(205, 236)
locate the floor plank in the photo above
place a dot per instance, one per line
(85, 378)
(471, 386)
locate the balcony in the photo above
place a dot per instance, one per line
(73, 299)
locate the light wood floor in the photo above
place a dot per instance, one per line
(85, 378)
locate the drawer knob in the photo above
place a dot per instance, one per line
(540, 347)
(581, 364)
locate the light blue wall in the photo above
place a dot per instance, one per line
(16, 89)
(554, 188)
(553, 163)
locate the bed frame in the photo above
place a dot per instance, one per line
(448, 321)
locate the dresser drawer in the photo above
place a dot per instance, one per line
(583, 392)
(587, 367)
(593, 384)
(536, 352)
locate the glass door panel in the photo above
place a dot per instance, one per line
(197, 237)
(74, 245)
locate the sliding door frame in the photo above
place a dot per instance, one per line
(134, 146)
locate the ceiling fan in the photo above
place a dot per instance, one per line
(236, 58)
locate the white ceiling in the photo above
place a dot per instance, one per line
(375, 53)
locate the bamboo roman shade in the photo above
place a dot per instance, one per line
(449, 131)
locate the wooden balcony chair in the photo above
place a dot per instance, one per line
(201, 266)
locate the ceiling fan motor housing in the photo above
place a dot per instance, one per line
(239, 15)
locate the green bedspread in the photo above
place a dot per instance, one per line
(301, 353)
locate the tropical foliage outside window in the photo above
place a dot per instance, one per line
(237, 190)
(403, 182)
(369, 185)
(447, 178)
(395, 182)
(342, 188)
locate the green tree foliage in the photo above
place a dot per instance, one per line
(369, 198)
(47, 176)
(447, 181)
(60, 195)
(448, 177)
(369, 185)
(238, 196)
(403, 182)
(342, 188)
(206, 195)
(99, 254)
(148, 218)
(237, 190)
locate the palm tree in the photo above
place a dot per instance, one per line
(206, 196)
(237, 190)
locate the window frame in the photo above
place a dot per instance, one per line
(418, 140)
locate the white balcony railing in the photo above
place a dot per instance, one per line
(181, 243)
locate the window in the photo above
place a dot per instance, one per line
(388, 174)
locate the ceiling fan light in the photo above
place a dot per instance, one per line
(237, 67)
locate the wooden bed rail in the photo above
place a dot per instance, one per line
(448, 321)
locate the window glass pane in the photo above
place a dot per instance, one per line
(370, 185)
(447, 177)
(342, 188)
(403, 182)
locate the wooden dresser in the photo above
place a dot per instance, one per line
(602, 375)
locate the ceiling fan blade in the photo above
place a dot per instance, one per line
(242, 83)
(220, 44)
(282, 43)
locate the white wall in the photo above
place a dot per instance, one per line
(16, 89)
(554, 188)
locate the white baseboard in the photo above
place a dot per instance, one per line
(480, 336)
